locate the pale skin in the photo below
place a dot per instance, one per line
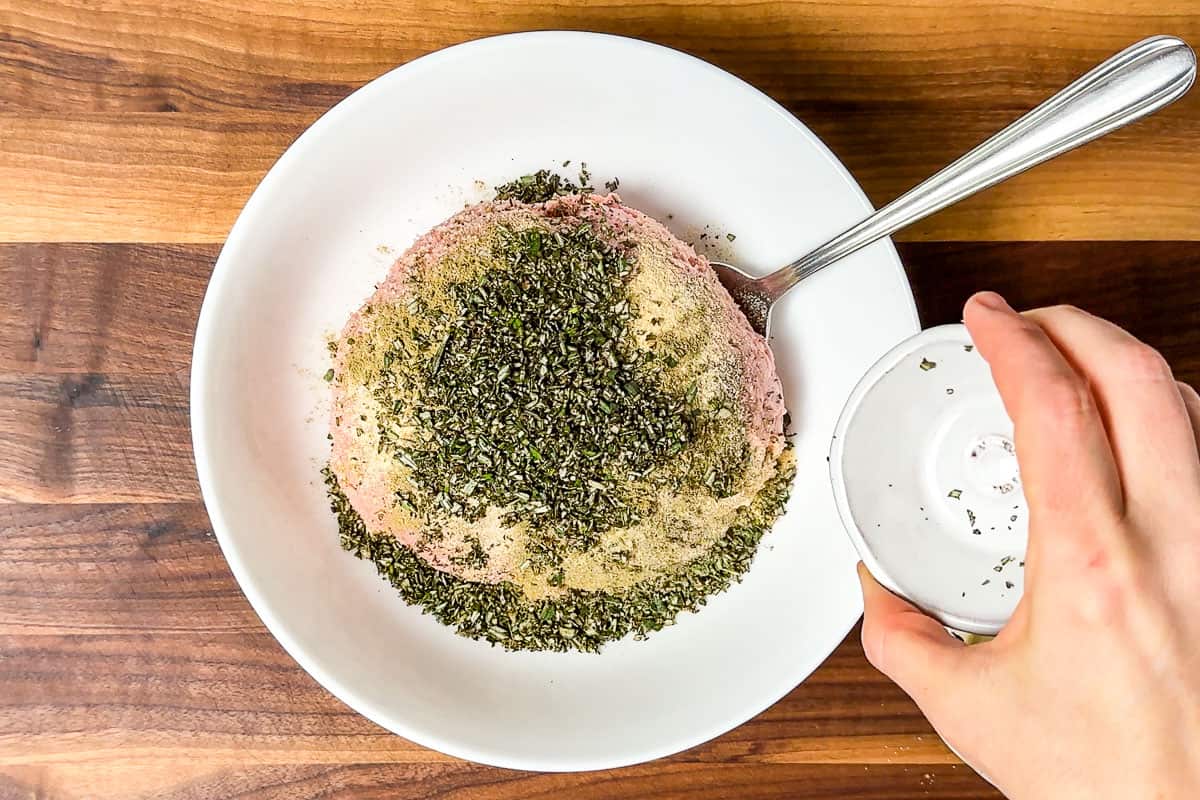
(1092, 690)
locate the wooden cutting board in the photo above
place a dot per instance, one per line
(131, 133)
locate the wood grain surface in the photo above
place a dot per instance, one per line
(131, 132)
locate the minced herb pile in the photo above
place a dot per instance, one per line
(543, 185)
(516, 397)
(499, 613)
(538, 402)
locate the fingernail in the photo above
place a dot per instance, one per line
(993, 301)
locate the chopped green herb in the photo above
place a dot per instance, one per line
(572, 369)
(539, 187)
(475, 557)
(955, 494)
(523, 389)
(927, 365)
(501, 614)
(328, 376)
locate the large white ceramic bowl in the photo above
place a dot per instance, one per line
(691, 145)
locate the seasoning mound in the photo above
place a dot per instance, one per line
(551, 425)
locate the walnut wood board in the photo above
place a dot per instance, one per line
(131, 132)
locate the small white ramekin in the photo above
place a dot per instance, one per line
(925, 477)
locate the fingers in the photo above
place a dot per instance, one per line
(1191, 401)
(1067, 465)
(912, 649)
(1152, 438)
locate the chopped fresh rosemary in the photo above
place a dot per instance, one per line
(539, 402)
(499, 613)
(560, 434)
(539, 187)
(543, 185)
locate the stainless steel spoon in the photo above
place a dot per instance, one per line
(1132, 84)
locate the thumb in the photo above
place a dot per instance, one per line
(910, 647)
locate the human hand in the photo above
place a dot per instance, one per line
(1092, 690)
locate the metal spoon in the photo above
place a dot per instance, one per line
(1132, 84)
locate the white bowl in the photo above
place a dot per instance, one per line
(693, 146)
(925, 476)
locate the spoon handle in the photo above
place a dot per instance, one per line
(1132, 84)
